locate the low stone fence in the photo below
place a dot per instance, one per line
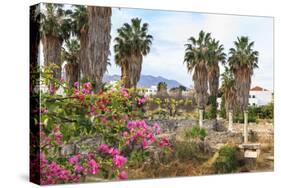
(173, 125)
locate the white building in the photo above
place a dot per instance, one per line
(260, 96)
(150, 91)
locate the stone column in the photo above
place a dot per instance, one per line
(200, 117)
(230, 120)
(245, 131)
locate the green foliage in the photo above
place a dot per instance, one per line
(255, 113)
(188, 150)
(227, 160)
(162, 86)
(196, 132)
(262, 112)
(213, 110)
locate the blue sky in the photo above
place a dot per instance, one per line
(171, 30)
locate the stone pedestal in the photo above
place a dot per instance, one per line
(251, 150)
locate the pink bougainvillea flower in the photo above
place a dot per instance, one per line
(131, 124)
(125, 134)
(103, 148)
(78, 168)
(93, 166)
(144, 144)
(141, 101)
(122, 175)
(87, 86)
(52, 89)
(164, 142)
(76, 85)
(74, 159)
(113, 151)
(93, 110)
(104, 120)
(119, 160)
(124, 92)
(90, 156)
(156, 127)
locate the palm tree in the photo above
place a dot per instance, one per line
(55, 28)
(229, 94)
(216, 55)
(196, 58)
(80, 30)
(34, 34)
(177, 91)
(98, 41)
(242, 61)
(162, 89)
(132, 43)
(70, 54)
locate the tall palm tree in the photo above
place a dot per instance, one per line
(242, 61)
(98, 41)
(70, 54)
(196, 58)
(132, 43)
(55, 28)
(162, 89)
(216, 55)
(229, 94)
(80, 30)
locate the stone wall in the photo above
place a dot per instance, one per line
(173, 125)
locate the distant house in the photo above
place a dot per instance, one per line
(260, 96)
(152, 90)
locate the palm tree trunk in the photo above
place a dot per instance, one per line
(230, 120)
(245, 129)
(52, 54)
(72, 73)
(98, 43)
(83, 61)
(201, 117)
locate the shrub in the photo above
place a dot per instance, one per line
(213, 109)
(196, 132)
(227, 161)
(112, 115)
(188, 150)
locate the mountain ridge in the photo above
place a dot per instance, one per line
(146, 80)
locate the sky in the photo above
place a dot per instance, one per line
(172, 29)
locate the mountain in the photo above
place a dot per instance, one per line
(146, 80)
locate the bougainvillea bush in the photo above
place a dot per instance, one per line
(112, 116)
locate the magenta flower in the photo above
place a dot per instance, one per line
(74, 159)
(124, 92)
(113, 151)
(125, 134)
(90, 156)
(164, 142)
(52, 89)
(141, 101)
(76, 84)
(78, 168)
(87, 85)
(122, 175)
(103, 148)
(93, 166)
(119, 160)
(144, 144)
